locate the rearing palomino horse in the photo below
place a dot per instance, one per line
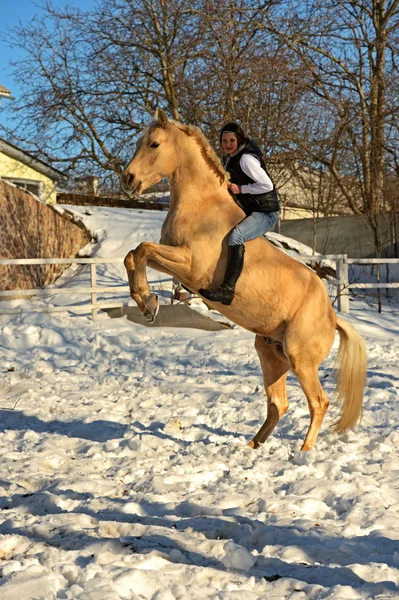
(279, 299)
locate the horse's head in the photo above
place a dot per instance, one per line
(155, 157)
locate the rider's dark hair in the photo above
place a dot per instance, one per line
(236, 129)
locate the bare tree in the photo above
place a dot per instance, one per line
(309, 81)
(245, 75)
(221, 86)
(392, 143)
(90, 79)
(343, 45)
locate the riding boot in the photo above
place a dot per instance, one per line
(225, 293)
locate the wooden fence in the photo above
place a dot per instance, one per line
(341, 282)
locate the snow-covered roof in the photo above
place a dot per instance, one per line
(31, 161)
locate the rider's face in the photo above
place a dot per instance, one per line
(229, 142)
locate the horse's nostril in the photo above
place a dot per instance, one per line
(129, 178)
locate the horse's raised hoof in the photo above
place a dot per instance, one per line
(151, 308)
(149, 317)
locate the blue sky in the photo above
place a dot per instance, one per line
(11, 12)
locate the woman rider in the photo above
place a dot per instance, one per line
(255, 193)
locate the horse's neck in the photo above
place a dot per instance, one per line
(195, 181)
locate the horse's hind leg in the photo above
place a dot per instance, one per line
(308, 377)
(275, 367)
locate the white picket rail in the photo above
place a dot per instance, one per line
(341, 281)
(93, 290)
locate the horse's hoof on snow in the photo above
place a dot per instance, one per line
(253, 444)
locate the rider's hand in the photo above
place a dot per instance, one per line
(234, 188)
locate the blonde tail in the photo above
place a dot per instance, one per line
(351, 365)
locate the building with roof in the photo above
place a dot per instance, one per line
(4, 92)
(28, 172)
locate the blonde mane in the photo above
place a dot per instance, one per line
(210, 156)
(208, 153)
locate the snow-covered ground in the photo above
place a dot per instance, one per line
(125, 471)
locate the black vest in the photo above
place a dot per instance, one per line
(267, 202)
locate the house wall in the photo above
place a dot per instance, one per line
(349, 235)
(300, 194)
(289, 212)
(31, 229)
(12, 168)
(293, 198)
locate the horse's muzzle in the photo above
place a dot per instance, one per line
(130, 181)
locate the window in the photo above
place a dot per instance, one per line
(35, 187)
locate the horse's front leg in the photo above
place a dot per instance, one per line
(130, 269)
(174, 260)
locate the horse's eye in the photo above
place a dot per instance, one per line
(154, 145)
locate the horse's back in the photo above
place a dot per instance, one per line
(270, 270)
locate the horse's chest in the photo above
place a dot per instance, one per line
(187, 229)
(176, 231)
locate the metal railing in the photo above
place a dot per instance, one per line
(341, 282)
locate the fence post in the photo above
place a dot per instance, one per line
(93, 280)
(342, 284)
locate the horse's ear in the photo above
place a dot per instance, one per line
(161, 116)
